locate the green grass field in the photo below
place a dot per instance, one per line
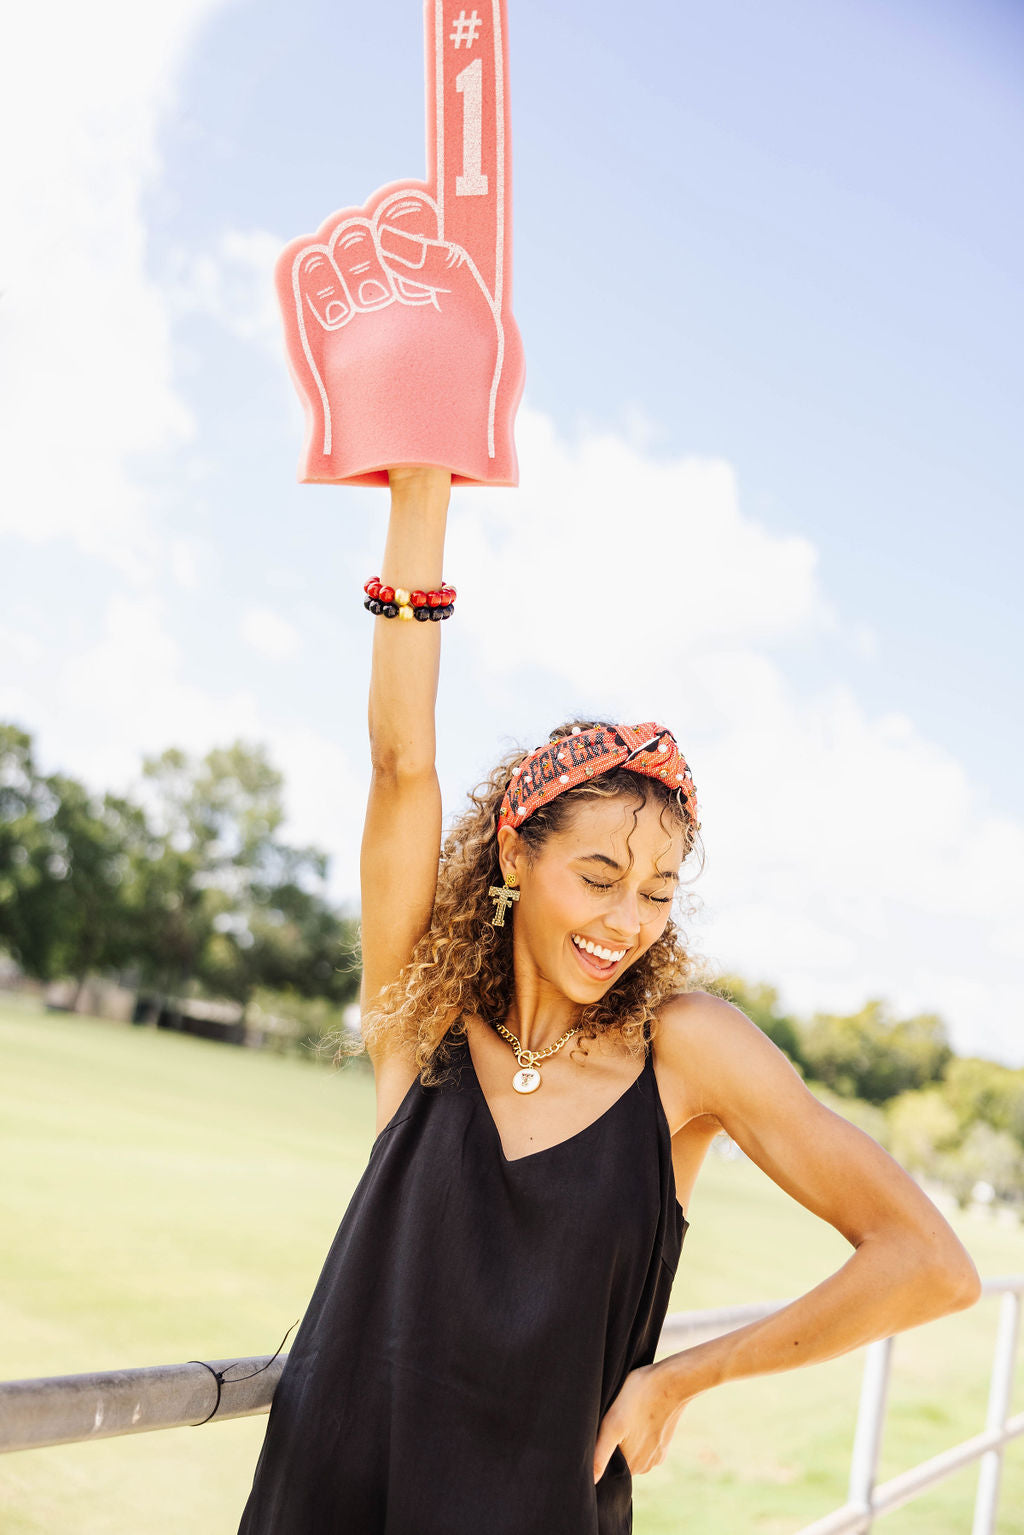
(166, 1198)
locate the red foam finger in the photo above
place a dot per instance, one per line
(397, 316)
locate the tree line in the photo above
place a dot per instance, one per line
(187, 888)
(958, 1120)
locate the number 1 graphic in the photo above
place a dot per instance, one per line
(397, 317)
(472, 182)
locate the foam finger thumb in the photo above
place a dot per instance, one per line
(433, 263)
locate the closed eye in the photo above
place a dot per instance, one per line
(659, 900)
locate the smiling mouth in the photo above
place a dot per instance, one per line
(595, 957)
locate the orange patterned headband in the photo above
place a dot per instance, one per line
(560, 765)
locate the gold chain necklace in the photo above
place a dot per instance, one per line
(527, 1078)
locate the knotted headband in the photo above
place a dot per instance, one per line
(550, 770)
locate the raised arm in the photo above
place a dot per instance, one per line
(402, 831)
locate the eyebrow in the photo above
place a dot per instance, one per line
(611, 864)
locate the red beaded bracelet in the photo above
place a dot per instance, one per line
(396, 602)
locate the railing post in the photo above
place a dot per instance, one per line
(986, 1504)
(867, 1443)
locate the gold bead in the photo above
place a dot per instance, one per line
(406, 613)
(401, 597)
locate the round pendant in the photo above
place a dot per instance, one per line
(527, 1080)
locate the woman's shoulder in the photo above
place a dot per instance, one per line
(696, 1018)
(699, 1041)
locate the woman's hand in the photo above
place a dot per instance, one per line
(641, 1421)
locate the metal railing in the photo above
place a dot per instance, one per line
(66, 1409)
(866, 1500)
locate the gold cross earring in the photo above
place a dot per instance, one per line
(503, 896)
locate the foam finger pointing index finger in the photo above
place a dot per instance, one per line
(468, 123)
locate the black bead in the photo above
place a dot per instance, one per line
(436, 615)
(366, 603)
(422, 614)
(390, 610)
(374, 606)
(446, 612)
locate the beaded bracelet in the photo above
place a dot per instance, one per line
(395, 602)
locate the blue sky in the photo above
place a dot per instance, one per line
(767, 275)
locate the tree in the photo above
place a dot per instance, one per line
(24, 850)
(206, 892)
(922, 1129)
(980, 1090)
(252, 909)
(871, 1055)
(62, 865)
(81, 901)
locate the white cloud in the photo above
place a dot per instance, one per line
(269, 634)
(624, 568)
(232, 283)
(864, 642)
(1008, 940)
(188, 560)
(85, 377)
(818, 811)
(326, 796)
(124, 696)
(19, 645)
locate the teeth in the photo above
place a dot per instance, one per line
(592, 948)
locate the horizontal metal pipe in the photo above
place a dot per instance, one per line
(900, 1489)
(64, 1409)
(997, 1284)
(852, 1518)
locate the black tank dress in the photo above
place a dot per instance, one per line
(474, 1320)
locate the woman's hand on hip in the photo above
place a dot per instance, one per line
(640, 1421)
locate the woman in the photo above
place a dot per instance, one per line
(477, 1357)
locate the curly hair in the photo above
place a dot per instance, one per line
(463, 964)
